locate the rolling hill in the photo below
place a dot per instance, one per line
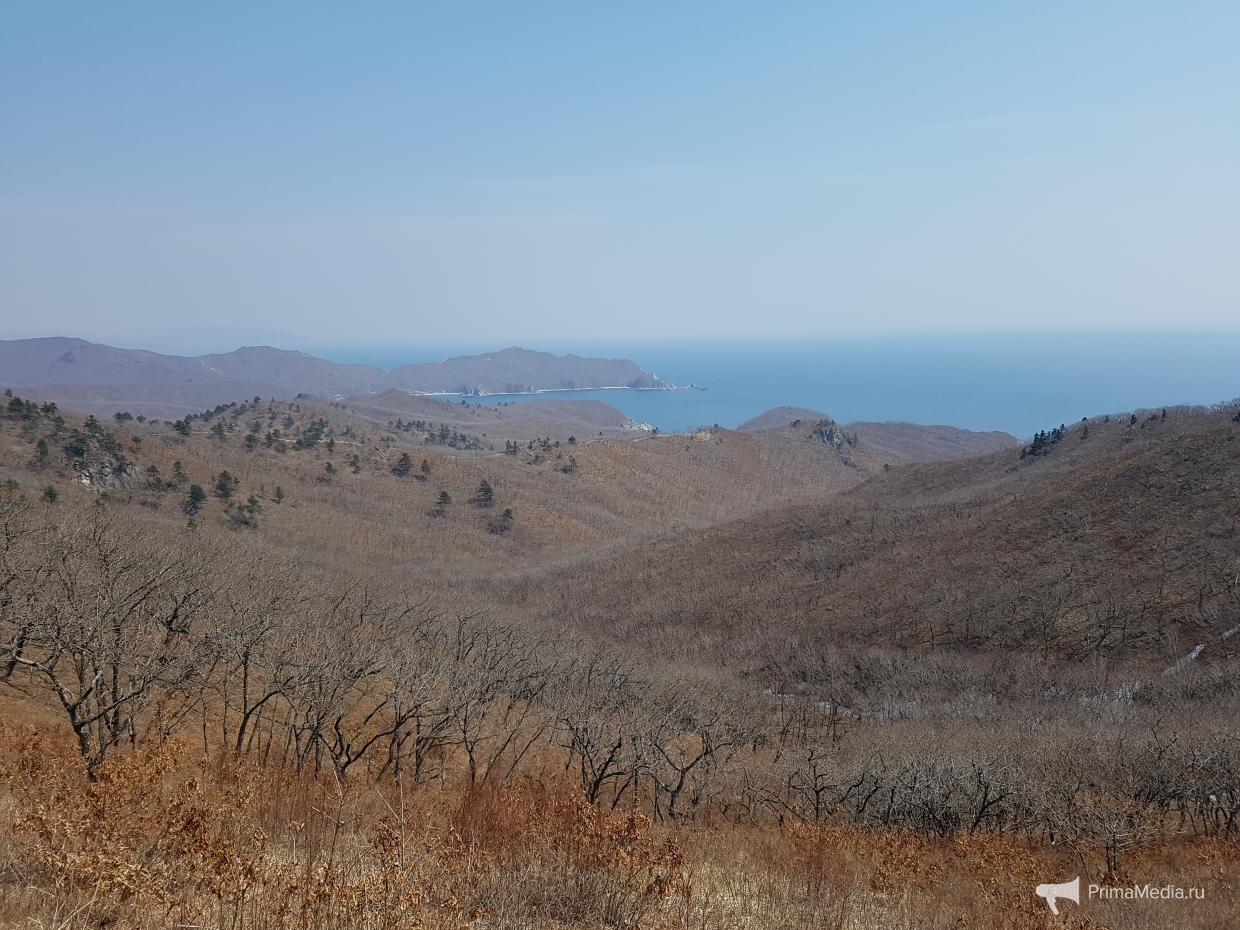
(103, 379)
(731, 657)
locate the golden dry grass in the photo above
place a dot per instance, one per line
(746, 602)
(166, 838)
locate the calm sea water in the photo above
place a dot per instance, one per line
(1016, 384)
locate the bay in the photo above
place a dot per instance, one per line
(1019, 383)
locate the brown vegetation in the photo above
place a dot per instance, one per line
(710, 682)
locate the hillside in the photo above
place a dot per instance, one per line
(897, 442)
(1127, 553)
(672, 539)
(676, 666)
(579, 475)
(779, 417)
(566, 491)
(103, 379)
(520, 371)
(557, 419)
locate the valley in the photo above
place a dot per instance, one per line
(890, 642)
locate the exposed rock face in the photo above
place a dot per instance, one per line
(102, 476)
(97, 459)
(827, 432)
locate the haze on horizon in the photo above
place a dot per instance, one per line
(196, 179)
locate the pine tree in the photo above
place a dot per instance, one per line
(486, 494)
(225, 484)
(196, 497)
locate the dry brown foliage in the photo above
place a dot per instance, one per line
(157, 838)
(694, 682)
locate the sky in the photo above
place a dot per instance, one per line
(193, 177)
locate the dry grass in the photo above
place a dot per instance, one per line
(943, 630)
(160, 837)
(163, 838)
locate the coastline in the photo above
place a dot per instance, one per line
(556, 390)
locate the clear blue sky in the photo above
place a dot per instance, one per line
(206, 175)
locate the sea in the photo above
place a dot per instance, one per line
(1017, 384)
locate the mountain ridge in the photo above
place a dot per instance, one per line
(905, 442)
(96, 377)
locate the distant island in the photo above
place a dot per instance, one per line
(99, 378)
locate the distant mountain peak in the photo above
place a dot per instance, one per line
(101, 379)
